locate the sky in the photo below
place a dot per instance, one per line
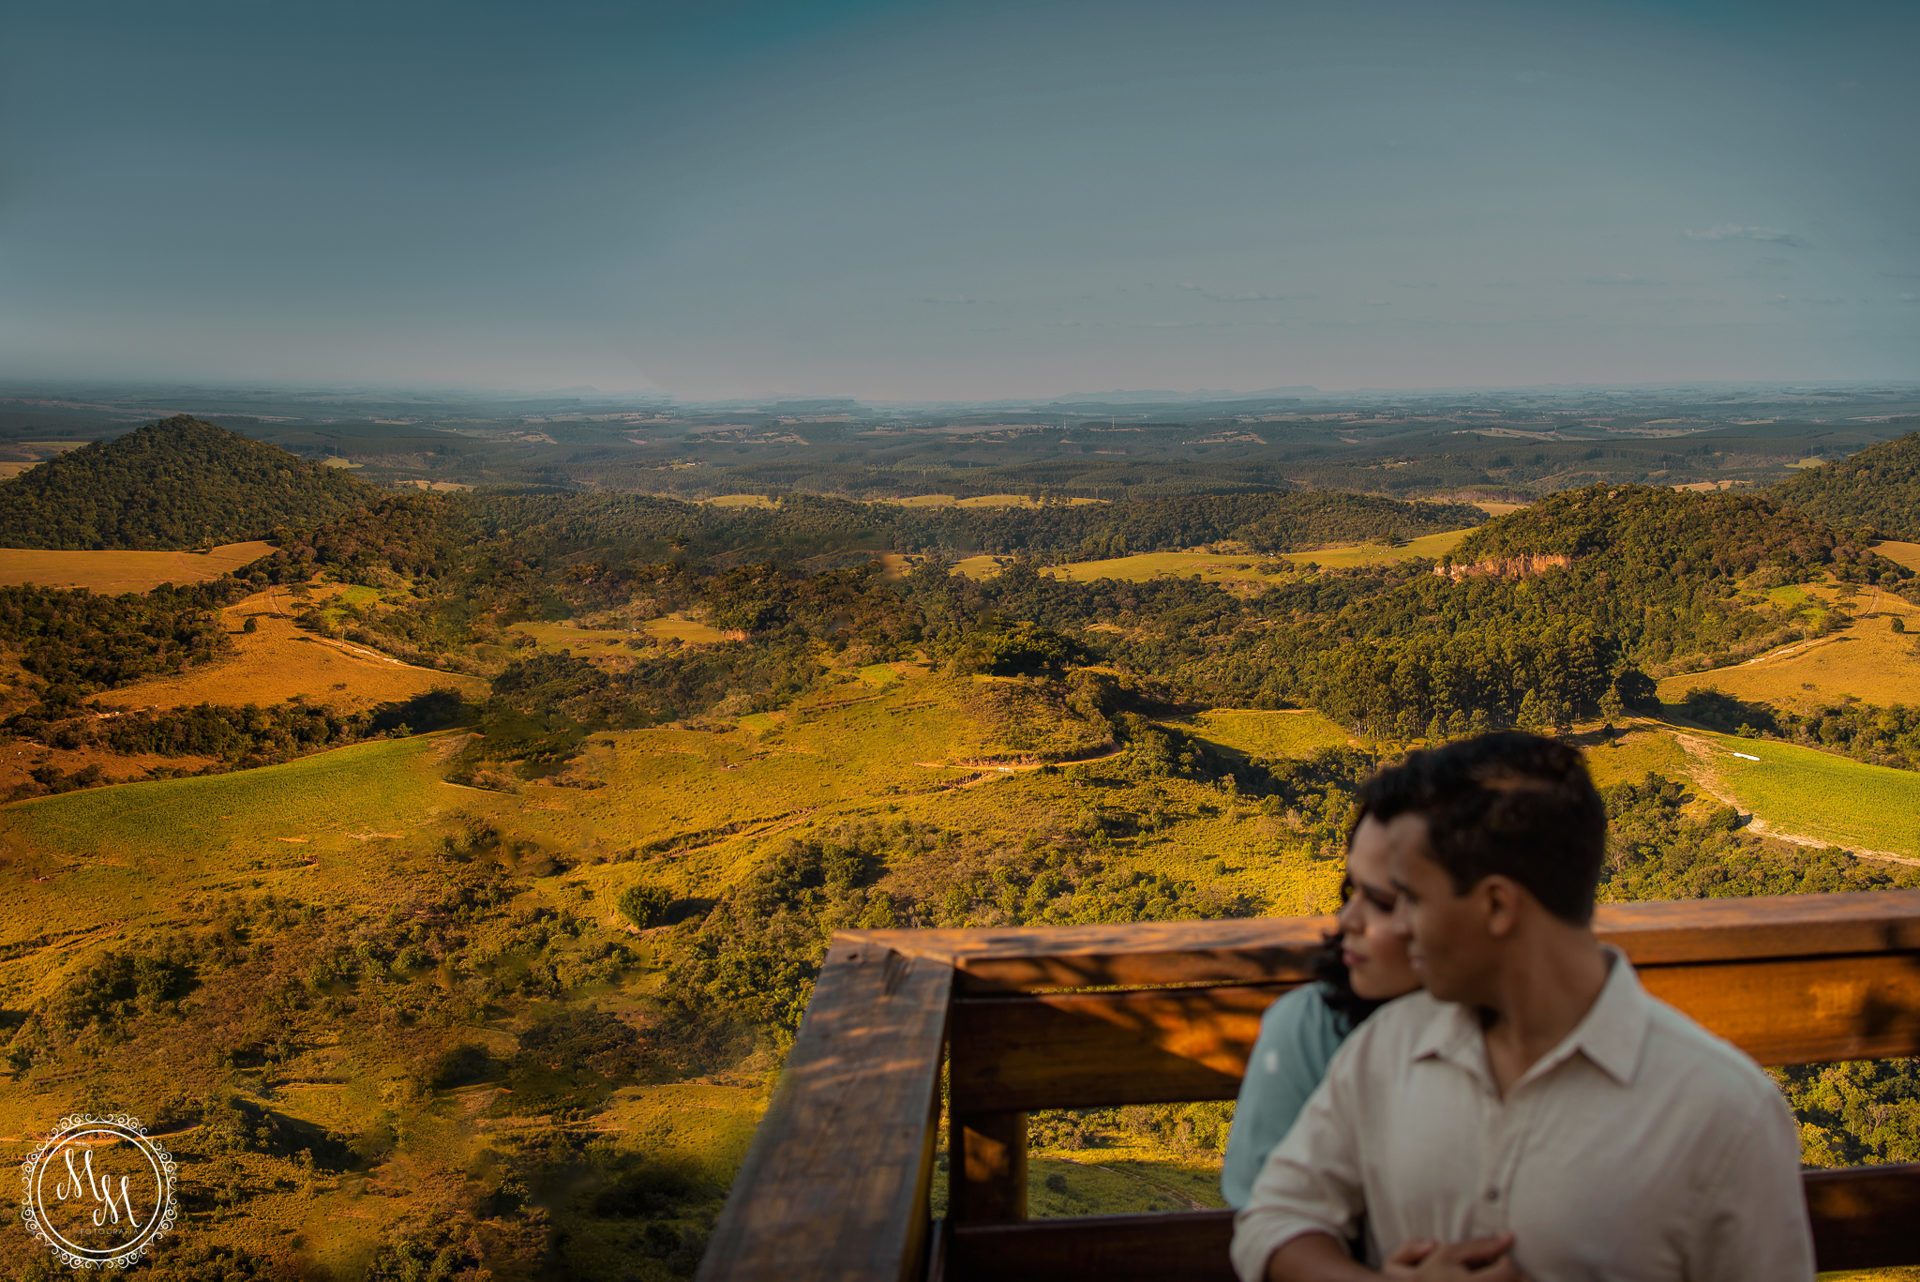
(959, 201)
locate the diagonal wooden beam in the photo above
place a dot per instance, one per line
(835, 1183)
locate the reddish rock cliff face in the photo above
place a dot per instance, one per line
(1506, 567)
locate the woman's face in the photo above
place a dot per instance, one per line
(1376, 957)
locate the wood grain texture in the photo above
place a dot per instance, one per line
(1863, 1218)
(1148, 1046)
(1188, 1245)
(835, 1183)
(1866, 1217)
(1072, 1050)
(1249, 951)
(988, 1184)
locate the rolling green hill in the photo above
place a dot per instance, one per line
(175, 484)
(1878, 489)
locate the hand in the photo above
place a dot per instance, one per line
(1410, 1252)
(1486, 1259)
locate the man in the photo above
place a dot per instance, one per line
(1534, 1113)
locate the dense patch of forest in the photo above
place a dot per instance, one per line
(180, 483)
(1877, 489)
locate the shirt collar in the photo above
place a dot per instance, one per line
(1611, 1034)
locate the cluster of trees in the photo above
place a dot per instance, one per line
(1877, 489)
(79, 642)
(1656, 849)
(180, 483)
(750, 960)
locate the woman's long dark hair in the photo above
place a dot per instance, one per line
(1336, 985)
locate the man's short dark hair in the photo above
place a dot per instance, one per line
(1509, 803)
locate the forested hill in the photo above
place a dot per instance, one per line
(173, 484)
(1638, 532)
(806, 525)
(1877, 489)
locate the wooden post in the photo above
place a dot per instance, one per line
(988, 1180)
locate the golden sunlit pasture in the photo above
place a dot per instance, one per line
(278, 661)
(117, 571)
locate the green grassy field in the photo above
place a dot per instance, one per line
(1819, 795)
(1427, 545)
(1246, 569)
(1268, 734)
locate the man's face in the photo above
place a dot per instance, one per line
(1447, 937)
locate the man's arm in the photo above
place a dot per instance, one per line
(1310, 1184)
(1316, 1257)
(1752, 1212)
(1319, 1258)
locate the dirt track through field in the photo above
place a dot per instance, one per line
(1700, 753)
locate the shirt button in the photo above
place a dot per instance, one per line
(1493, 1195)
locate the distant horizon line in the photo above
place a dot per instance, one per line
(15, 389)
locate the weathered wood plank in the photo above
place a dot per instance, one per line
(1802, 1010)
(1246, 951)
(1188, 1245)
(1080, 1049)
(1071, 1050)
(1867, 1217)
(1863, 1218)
(835, 1183)
(1162, 952)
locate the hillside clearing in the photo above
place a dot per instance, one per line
(278, 661)
(1869, 661)
(113, 571)
(1245, 568)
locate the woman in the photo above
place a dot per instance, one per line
(1361, 966)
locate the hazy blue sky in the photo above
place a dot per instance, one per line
(959, 200)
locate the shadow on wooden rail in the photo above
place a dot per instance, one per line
(836, 1182)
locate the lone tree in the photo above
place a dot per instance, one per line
(645, 905)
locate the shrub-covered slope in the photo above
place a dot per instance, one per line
(1877, 489)
(174, 484)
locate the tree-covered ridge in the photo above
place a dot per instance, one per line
(1877, 489)
(1637, 533)
(180, 483)
(803, 525)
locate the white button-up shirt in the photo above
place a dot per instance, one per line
(1640, 1147)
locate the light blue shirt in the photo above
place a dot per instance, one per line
(1298, 1036)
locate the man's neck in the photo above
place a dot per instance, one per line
(1548, 982)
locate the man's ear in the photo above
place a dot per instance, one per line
(1500, 904)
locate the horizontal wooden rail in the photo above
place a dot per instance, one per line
(1863, 1218)
(1794, 979)
(1261, 950)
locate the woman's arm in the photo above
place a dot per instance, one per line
(1298, 1036)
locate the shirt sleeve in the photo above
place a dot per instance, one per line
(1311, 1183)
(1298, 1035)
(1752, 1217)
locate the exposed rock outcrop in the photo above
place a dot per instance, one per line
(1507, 567)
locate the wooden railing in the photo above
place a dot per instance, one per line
(836, 1182)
